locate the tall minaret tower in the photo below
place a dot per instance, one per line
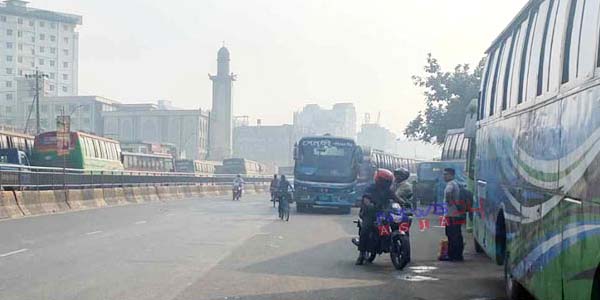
(221, 122)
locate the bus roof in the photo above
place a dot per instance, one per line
(13, 133)
(80, 133)
(523, 13)
(321, 137)
(146, 155)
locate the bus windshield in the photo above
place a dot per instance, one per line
(326, 160)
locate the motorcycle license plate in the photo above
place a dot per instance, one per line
(384, 230)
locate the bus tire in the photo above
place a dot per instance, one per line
(513, 289)
(478, 247)
(500, 239)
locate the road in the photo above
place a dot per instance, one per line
(219, 249)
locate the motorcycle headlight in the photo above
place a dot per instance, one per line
(396, 206)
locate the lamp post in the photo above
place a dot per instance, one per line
(38, 76)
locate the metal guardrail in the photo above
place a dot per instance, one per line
(43, 178)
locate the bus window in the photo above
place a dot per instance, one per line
(525, 56)
(572, 41)
(556, 48)
(96, 148)
(536, 50)
(588, 39)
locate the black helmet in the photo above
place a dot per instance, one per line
(401, 174)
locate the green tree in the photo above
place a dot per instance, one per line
(447, 96)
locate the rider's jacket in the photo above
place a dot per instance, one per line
(403, 190)
(238, 182)
(284, 186)
(380, 199)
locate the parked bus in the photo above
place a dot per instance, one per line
(244, 167)
(19, 141)
(325, 172)
(85, 151)
(537, 145)
(430, 182)
(377, 159)
(147, 162)
(196, 166)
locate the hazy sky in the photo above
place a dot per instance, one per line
(287, 53)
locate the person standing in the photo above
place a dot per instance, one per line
(454, 217)
(273, 188)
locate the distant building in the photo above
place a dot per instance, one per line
(377, 137)
(418, 150)
(221, 121)
(33, 39)
(314, 120)
(267, 144)
(85, 111)
(186, 129)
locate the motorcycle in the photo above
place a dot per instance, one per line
(237, 192)
(391, 236)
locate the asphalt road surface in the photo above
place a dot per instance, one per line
(219, 249)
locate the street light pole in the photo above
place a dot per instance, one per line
(37, 76)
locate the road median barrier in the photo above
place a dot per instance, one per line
(149, 194)
(132, 195)
(34, 203)
(114, 196)
(175, 192)
(8, 206)
(199, 190)
(187, 191)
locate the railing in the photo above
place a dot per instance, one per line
(43, 178)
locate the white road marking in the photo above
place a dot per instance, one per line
(13, 252)
(170, 215)
(93, 232)
(140, 222)
(438, 226)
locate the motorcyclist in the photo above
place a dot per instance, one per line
(401, 187)
(376, 197)
(238, 182)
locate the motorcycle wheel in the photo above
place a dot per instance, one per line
(400, 252)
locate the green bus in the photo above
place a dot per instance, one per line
(537, 152)
(85, 151)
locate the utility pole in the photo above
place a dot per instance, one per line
(38, 76)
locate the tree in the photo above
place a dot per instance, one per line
(447, 96)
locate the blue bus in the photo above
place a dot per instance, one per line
(537, 152)
(325, 172)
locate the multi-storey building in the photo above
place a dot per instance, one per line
(35, 39)
(314, 120)
(268, 144)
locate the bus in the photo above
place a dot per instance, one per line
(537, 151)
(325, 172)
(196, 166)
(456, 146)
(244, 167)
(85, 151)
(19, 141)
(147, 162)
(376, 159)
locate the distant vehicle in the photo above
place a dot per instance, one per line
(430, 181)
(196, 166)
(376, 159)
(149, 148)
(13, 174)
(456, 147)
(325, 172)
(15, 140)
(147, 162)
(244, 167)
(86, 151)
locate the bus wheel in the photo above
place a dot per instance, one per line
(514, 290)
(478, 247)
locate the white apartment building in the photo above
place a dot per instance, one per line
(338, 121)
(33, 39)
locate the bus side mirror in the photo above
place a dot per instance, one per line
(359, 156)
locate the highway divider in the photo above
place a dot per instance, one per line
(15, 204)
(8, 206)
